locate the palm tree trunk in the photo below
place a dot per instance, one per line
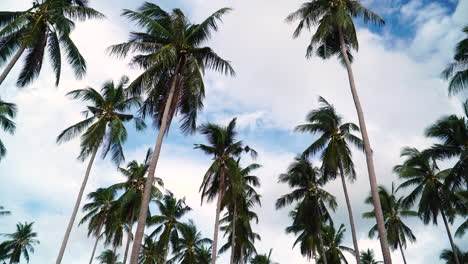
(129, 237)
(322, 248)
(218, 212)
(350, 214)
(152, 168)
(454, 249)
(402, 253)
(11, 64)
(369, 159)
(241, 260)
(233, 240)
(97, 239)
(77, 206)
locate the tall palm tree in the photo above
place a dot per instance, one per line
(224, 147)
(187, 245)
(452, 132)
(45, 26)
(263, 259)
(312, 204)
(171, 210)
(150, 253)
(447, 256)
(457, 71)
(103, 129)
(7, 113)
(133, 190)
(335, 35)
(335, 138)
(20, 243)
(333, 240)
(421, 170)
(3, 211)
(239, 198)
(204, 255)
(367, 257)
(108, 257)
(97, 212)
(173, 60)
(394, 210)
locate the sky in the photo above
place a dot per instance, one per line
(397, 71)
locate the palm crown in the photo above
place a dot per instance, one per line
(457, 71)
(7, 113)
(20, 243)
(187, 245)
(44, 27)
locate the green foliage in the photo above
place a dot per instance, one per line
(188, 244)
(7, 113)
(262, 259)
(367, 257)
(19, 244)
(457, 71)
(108, 257)
(98, 209)
(333, 240)
(448, 256)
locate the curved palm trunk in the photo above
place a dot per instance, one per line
(322, 248)
(77, 206)
(233, 241)
(11, 64)
(449, 234)
(369, 159)
(351, 217)
(152, 168)
(402, 253)
(129, 238)
(101, 224)
(218, 212)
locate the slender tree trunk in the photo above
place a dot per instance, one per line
(129, 237)
(402, 253)
(241, 261)
(152, 168)
(97, 239)
(77, 206)
(11, 64)
(218, 212)
(322, 248)
(233, 241)
(369, 159)
(449, 234)
(350, 214)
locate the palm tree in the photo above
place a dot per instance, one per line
(224, 148)
(448, 256)
(334, 250)
(457, 71)
(108, 257)
(114, 229)
(7, 112)
(452, 131)
(3, 211)
(133, 188)
(104, 128)
(463, 211)
(394, 210)
(312, 204)
(187, 245)
(263, 259)
(367, 257)
(421, 170)
(173, 61)
(45, 26)
(20, 243)
(150, 253)
(335, 138)
(204, 255)
(97, 213)
(335, 35)
(239, 198)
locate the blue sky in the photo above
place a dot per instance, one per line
(397, 71)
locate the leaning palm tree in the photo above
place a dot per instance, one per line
(457, 71)
(20, 243)
(3, 211)
(108, 257)
(421, 170)
(171, 210)
(7, 113)
(97, 212)
(312, 204)
(335, 35)
(394, 210)
(263, 259)
(367, 257)
(224, 147)
(333, 242)
(103, 129)
(46, 26)
(133, 188)
(187, 245)
(448, 256)
(333, 144)
(173, 59)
